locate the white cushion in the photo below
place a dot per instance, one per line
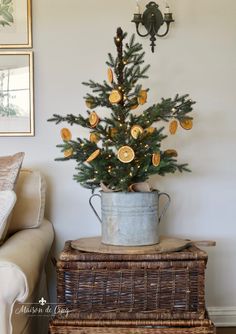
(7, 202)
(29, 209)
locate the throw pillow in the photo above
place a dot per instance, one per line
(9, 170)
(7, 202)
(29, 209)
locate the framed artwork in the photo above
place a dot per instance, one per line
(16, 94)
(15, 24)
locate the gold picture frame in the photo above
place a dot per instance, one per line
(16, 93)
(15, 24)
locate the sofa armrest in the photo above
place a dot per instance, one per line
(22, 260)
(12, 288)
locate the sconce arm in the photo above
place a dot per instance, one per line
(142, 35)
(167, 30)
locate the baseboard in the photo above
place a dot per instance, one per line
(223, 316)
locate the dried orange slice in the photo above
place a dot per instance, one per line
(125, 154)
(89, 104)
(115, 96)
(134, 103)
(93, 119)
(68, 153)
(186, 123)
(66, 134)
(149, 130)
(94, 137)
(110, 75)
(113, 132)
(173, 127)
(142, 97)
(156, 159)
(172, 153)
(93, 155)
(134, 106)
(136, 130)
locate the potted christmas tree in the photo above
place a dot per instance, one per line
(124, 148)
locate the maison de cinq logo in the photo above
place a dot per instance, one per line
(42, 308)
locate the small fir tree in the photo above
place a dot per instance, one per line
(123, 148)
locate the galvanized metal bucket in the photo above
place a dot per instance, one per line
(130, 219)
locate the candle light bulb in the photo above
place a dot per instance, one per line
(167, 9)
(137, 7)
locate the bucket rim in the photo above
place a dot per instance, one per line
(154, 191)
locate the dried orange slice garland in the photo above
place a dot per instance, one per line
(93, 119)
(172, 153)
(142, 97)
(110, 75)
(89, 104)
(186, 123)
(66, 134)
(156, 159)
(134, 104)
(115, 96)
(68, 153)
(136, 130)
(94, 137)
(125, 154)
(150, 130)
(173, 127)
(93, 156)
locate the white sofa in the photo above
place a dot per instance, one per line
(23, 256)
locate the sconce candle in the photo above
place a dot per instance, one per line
(152, 19)
(137, 6)
(167, 10)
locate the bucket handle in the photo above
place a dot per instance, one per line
(165, 207)
(93, 208)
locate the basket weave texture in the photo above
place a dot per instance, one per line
(186, 327)
(109, 287)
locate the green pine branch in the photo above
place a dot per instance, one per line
(178, 108)
(114, 130)
(70, 119)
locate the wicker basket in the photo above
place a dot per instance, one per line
(164, 327)
(152, 287)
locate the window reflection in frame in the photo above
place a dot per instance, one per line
(16, 94)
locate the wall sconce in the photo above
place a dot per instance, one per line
(152, 19)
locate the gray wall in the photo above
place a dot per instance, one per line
(71, 41)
